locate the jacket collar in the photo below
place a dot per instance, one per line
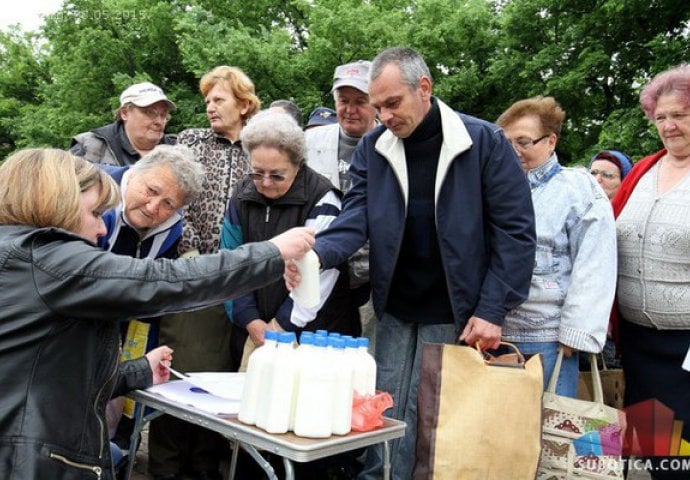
(544, 172)
(456, 140)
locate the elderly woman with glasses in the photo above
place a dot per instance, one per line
(652, 209)
(573, 280)
(610, 167)
(281, 192)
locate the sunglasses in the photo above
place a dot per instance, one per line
(273, 177)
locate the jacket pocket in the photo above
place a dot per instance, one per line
(545, 261)
(96, 470)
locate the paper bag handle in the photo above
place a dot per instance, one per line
(596, 378)
(495, 361)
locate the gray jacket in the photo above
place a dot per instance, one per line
(61, 301)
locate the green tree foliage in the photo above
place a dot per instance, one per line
(592, 55)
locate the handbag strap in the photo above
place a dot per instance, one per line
(596, 378)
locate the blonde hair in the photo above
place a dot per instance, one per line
(237, 82)
(41, 187)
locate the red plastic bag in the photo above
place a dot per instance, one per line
(367, 410)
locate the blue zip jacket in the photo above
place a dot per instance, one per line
(483, 210)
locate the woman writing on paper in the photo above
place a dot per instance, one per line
(61, 299)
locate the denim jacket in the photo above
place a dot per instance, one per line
(574, 276)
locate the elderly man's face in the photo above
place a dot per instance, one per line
(151, 197)
(145, 126)
(355, 114)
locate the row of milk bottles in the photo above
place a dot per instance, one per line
(308, 389)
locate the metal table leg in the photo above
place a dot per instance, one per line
(386, 460)
(289, 470)
(139, 422)
(263, 463)
(233, 461)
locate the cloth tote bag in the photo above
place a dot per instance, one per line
(612, 384)
(581, 439)
(478, 418)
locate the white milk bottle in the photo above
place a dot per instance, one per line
(304, 356)
(275, 403)
(342, 392)
(308, 292)
(314, 412)
(256, 370)
(365, 381)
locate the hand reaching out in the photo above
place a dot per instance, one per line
(159, 359)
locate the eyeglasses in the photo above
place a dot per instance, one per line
(153, 113)
(273, 177)
(603, 173)
(526, 143)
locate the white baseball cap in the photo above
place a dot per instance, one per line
(355, 74)
(144, 94)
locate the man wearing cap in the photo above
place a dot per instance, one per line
(321, 116)
(138, 127)
(330, 148)
(329, 151)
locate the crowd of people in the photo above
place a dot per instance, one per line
(137, 249)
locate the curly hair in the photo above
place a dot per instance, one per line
(675, 80)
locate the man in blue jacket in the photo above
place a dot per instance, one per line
(447, 209)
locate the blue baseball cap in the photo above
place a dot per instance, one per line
(321, 116)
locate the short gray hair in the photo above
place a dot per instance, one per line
(182, 162)
(411, 64)
(275, 130)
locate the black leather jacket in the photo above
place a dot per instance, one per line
(60, 302)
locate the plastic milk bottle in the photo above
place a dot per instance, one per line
(308, 292)
(342, 394)
(275, 403)
(314, 412)
(256, 370)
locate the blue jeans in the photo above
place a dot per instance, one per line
(398, 358)
(567, 380)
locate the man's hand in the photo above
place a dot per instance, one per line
(159, 360)
(294, 243)
(478, 330)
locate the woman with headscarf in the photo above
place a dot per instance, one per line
(610, 167)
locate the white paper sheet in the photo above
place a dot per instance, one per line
(221, 384)
(199, 397)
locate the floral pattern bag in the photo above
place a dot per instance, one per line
(580, 439)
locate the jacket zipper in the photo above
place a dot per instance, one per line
(94, 468)
(268, 213)
(95, 409)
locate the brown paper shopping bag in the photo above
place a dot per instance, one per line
(477, 418)
(612, 384)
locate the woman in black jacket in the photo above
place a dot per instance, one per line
(61, 298)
